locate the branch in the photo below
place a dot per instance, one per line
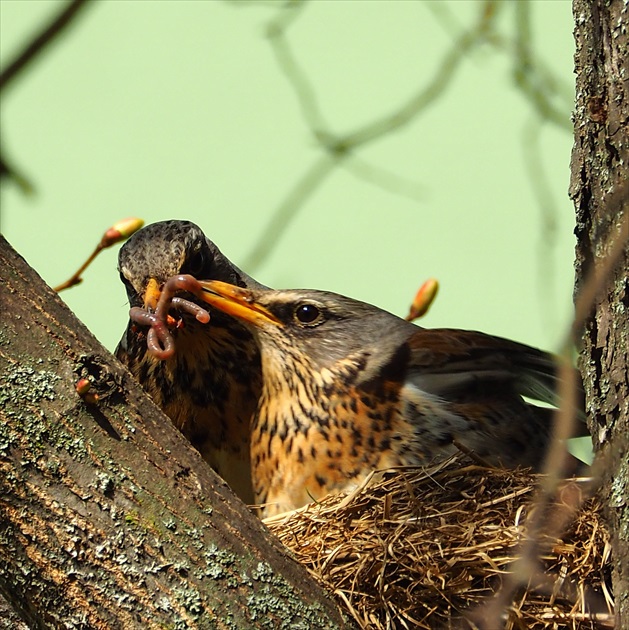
(286, 212)
(548, 519)
(41, 41)
(339, 148)
(542, 191)
(108, 514)
(528, 75)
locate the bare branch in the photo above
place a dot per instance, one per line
(527, 74)
(41, 41)
(426, 96)
(288, 64)
(542, 190)
(385, 179)
(288, 209)
(340, 147)
(548, 519)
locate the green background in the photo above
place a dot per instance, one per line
(179, 110)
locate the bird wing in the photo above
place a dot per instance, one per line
(450, 362)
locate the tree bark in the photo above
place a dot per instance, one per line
(108, 518)
(600, 190)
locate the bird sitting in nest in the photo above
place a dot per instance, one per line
(210, 386)
(349, 388)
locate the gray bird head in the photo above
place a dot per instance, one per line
(323, 326)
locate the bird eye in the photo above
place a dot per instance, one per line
(307, 314)
(195, 263)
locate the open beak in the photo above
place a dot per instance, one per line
(236, 302)
(151, 295)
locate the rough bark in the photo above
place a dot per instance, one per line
(108, 518)
(600, 190)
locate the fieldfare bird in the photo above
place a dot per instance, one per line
(210, 386)
(349, 388)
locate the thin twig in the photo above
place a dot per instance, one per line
(41, 41)
(385, 179)
(547, 238)
(76, 278)
(337, 147)
(425, 97)
(288, 209)
(556, 458)
(526, 72)
(118, 232)
(288, 64)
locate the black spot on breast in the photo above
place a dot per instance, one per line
(282, 433)
(198, 433)
(164, 385)
(203, 396)
(143, 371)
(264, 427)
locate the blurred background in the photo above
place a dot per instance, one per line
(359, 147)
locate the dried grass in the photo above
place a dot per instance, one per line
(429, 549)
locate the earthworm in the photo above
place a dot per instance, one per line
(159, 341)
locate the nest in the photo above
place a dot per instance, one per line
(448, 547)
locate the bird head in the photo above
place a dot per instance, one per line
(168, 248)
(323, 326)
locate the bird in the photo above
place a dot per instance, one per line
(211, 385)
(348, 388)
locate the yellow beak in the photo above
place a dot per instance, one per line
(151, 295)
(237, 302)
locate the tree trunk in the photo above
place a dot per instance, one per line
(108, 518)
(600, 190)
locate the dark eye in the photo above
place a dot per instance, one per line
(307, 314)
(195, 263)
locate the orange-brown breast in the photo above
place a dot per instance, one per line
(316, 436)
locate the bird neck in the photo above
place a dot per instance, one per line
(292, 390)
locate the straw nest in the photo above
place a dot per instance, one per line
(448, 547)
